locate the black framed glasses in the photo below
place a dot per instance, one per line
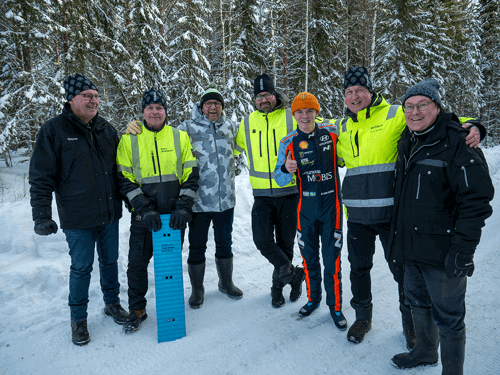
(216, 104)
(421, 107)
(89, 97)
(260, 97)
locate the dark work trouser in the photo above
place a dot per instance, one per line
(198, 235)
(139, 255)
(274, 224)
(361, 248)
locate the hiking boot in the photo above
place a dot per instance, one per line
(79, 333)
(296, 291)
(308, 308)
(339, 319)
(134, 320)
(225, 272)
(358, 330)
(410, 337)
(277, 299)
(117, 312)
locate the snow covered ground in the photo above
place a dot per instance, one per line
(224, 336)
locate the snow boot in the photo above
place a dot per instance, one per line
(338, 318)
(425, 351)
(117, 312)
(79, 333)
(411, 340)
(358, 330)
(295, 278)
(277, 299)
(296, 291)
(225, 272)
(196, 275)
(134, 320)
(453, 352)
(308, 308)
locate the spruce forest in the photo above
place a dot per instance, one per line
(127, 46)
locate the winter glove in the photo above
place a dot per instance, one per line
(179, 219)
(45, 226)
(152, 220)
(134, 127)
(458, 264)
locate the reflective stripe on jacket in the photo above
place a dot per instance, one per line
(260, 134)
(160, 165)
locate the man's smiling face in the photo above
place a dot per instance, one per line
(357, 98)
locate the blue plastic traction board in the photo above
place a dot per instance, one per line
(169, 287)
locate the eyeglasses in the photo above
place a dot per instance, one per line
(421, 107)
(89, 97)
(262, 96)
(215, 104)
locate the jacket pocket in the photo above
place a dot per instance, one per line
(429, 183)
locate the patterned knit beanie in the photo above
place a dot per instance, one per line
(428, 87)
(212, 93)
(263, 83)
(305, 100)
(153, 96)
(75, 84)
(357, 76)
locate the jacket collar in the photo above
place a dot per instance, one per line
(96, 122)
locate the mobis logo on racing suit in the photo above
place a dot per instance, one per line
(320, 177)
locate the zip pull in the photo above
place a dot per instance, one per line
(465, 175)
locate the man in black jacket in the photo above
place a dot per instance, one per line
(442, 195)
(75, 157)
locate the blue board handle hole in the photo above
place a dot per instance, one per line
(171, 320)
(166, 234)
(168, 277)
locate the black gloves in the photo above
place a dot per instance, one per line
(45, 226)
(179, 218)
(146, 212)
(152, 220)
(459, 264)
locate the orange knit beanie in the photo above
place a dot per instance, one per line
(305, 100)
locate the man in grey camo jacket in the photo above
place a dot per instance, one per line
(213, 138)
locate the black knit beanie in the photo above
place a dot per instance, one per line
(75, 84)
(358, 76)
(263, 83)
(153, 96)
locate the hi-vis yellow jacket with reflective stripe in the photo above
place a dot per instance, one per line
(368, 147)
(160, 165)
(259, 135)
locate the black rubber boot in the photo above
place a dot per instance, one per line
(196, 275)
(358, 330)
(453, 352)
(277, 299)
(225, 272)
(411, 340)
(80, 333)
(425, 351)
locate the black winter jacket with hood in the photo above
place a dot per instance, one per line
(442, 194)
(78, 163)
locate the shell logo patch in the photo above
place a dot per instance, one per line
(303, 145)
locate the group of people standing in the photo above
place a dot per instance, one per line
(411, 179)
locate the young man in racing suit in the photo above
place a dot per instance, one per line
(310, 153)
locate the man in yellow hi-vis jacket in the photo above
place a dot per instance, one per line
(158, 174)
(274, 212)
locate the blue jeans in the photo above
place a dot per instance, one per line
(198, 235)
(82, 243)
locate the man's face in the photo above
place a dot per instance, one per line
(265, 102)
(357, 98)
(305, 119)
(419, 118)
(84, 106)
(154, 114)
(212, 109)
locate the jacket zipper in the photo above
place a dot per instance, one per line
(218, 164)
(154, 164)
(268, 157)
(418, 185)
(275, 149)
(465, 175)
